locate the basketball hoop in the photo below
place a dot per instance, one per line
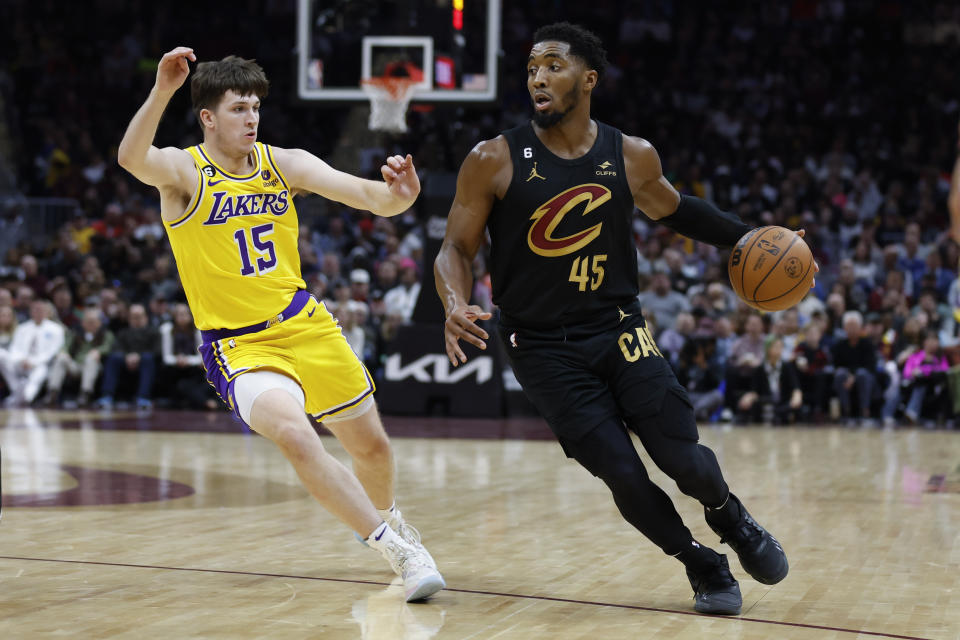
(389, 97)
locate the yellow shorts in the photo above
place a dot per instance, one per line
(308, 347)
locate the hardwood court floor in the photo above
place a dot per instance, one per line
(182, 526)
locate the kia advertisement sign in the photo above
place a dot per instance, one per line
(434, 367)
(418, 378)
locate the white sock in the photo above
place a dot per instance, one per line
(386, 514)
(381, 534)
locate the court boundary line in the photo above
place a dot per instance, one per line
(473, 591)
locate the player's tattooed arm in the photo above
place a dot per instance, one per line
(484, 176)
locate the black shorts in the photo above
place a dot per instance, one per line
(579, 375)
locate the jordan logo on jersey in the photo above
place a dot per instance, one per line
(534, 174)
(246, 204)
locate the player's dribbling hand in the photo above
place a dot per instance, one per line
(173, 69)
(401, 177)
(816, 267)
(460, 324)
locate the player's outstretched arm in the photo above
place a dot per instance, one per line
(687, 215)
(953, 202)
(399, 189)
(136, 154)
(477, 186)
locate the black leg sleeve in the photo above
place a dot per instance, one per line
(670, 438)
(608, 453)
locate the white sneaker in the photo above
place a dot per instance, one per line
(412, 563)
(408, 532)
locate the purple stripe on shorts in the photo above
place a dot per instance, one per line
(233, 400)
(221, 361)
(216, 377)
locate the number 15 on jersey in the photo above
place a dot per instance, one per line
(267, 260)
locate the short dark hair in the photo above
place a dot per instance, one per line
(213, 79)
(583, 43)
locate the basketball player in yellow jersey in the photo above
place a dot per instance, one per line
(271, 350)
(953, 198)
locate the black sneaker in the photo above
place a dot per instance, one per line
(716, 591)
(760, 554)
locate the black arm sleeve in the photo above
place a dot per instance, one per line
(702, 221)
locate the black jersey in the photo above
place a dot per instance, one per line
(562, 246)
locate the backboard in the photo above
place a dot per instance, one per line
(449, 46)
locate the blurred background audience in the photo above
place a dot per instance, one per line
(781, 111)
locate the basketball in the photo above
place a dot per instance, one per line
(771, 268)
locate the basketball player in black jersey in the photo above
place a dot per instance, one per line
(557, 196)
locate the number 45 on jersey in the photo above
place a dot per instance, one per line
(588, 270)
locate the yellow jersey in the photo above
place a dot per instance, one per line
(236, 243)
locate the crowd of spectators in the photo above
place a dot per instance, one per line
(783, 112)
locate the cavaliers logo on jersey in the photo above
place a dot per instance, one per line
(548, 216)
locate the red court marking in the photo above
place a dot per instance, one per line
(477, 592)
(96, 487)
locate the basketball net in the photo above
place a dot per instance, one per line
(389, 97)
